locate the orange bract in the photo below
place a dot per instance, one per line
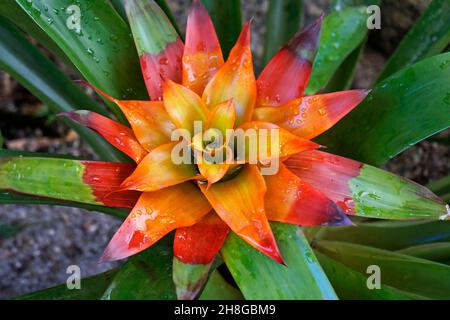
(220, 97)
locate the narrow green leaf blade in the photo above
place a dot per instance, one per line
(430, 35)
(38, 74)
(147, 275)
(259, 277)
(67, 180)
(352, 285)
(96, 39)
(404, 109)
(417, 276)
(92, 288)
(10, 10)
(439, 251)
(14, 198)
(342, 32)
(391, 235)
(217, 288)
(189, 279)
(227, 18)
(343, 77)
(283, 21)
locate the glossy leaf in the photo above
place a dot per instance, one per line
(352, 285)
(146, 276)
(441, 186)
(227, 18)
(365, 190)
(261, 278)
(38, 74)
(430, 35)
(12, 11)
(189, 279)
(390, 235)
(283, 21)
(14, 198)
(159, 47)
(71, 180)
(102, 48)
(380, 128)
(413, 275)
(439, 251)
(344, 75)
(342, 32)
(120, 7)
(217, 288)
(92, 288)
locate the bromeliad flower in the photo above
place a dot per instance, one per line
(216, 188)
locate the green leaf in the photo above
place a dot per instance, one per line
(38, 74)
(227, 18)
(61, 179)
(384, 195)
(404, 109)
(441, 186)
(7, 197)
(53, 178)
(165, 7)
(10, 10)
(342, 33)
(439, 251)
(119, 5)
(259, 277)
(92, 288)
(413, 275)
(145, 276)
(343, 77)
(189, 278)
(102, 48)
(352, 285)
(283, 21)
(217, 288)
(391, 235)
(430, 35)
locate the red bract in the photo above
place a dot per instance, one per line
(221, 95)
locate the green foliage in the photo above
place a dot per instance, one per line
(260, 278)
(410, 104)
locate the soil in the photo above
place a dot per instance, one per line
(52, 238)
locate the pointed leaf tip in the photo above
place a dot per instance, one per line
(306, 42)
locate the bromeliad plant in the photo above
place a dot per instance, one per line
(225, 205)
